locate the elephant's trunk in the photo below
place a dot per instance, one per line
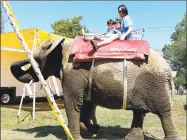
(24, 76)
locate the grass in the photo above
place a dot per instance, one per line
(115, 123)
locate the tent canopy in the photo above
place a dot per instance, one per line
(10, 39)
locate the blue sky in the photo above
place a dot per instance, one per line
(38, 14)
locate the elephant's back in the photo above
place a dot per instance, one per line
(108, 77)
(157, 62)
(108, 82)
(109, 68)
(114, 68)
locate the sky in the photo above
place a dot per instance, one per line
(152, 15)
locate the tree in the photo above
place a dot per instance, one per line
(69, 27)
(176, 52)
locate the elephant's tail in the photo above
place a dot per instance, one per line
(173, 88)
(172, 85)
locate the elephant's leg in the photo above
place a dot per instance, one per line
(87, 113)
(74, 86)
(93, 116)
(136, 132)
(138, 118)
(168, 127)
(73, 116)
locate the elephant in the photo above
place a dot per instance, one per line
(149, 86)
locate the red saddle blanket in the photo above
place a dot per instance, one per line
(118, 49)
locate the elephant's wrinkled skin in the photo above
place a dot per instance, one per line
(150, 87)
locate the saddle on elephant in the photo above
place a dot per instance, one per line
(118, 49)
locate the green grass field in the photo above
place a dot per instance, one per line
(115, 124)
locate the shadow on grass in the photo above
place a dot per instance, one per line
(107, 133)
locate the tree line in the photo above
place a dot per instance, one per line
(176, 53)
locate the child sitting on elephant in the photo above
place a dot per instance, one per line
(110, 31)
(113, 33)
(112, 26)
(126, 29)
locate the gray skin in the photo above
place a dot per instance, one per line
(149, 89)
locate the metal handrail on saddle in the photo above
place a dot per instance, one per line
(138, 34)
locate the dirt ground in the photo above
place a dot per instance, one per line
(115, 124)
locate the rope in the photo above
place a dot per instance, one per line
(124, 84)
(50, 97)
(90, 81)
(8, 5)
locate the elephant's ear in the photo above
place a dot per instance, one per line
(51, 58)
(47, 47)
(41, 51)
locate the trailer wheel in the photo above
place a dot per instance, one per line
(5, 98)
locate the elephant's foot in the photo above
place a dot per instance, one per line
(172, 137)
(168, 127)
(93, 129)
(83, 126)
(77, 137)
(135, 134)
